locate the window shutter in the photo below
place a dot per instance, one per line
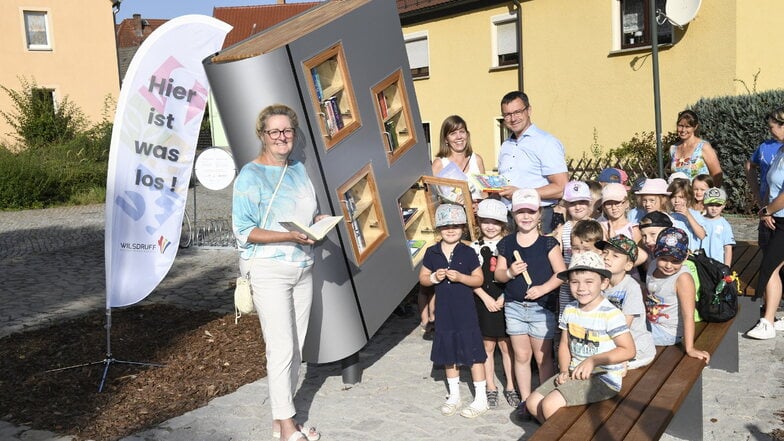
(417, 53)
(507, 38)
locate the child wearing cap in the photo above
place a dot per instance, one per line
(699, 185)
(454, 270)
(719, 239)
(615, 203)
(529, 263)
(489, 298)
(619, 254)
(595, 343)
(578, 200)
(684, 217)
(653, 196)
(613, 176)
(671, 297)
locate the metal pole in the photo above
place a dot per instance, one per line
(519, 32)
(656, 94)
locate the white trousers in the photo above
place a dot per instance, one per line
(282, 296)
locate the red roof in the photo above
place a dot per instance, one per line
(131, 32)
(248, 20)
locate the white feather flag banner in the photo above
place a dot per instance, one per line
(153, 145)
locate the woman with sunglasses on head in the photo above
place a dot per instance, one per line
(693, 155)
(772, 216)
(270, 189)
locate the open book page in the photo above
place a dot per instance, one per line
(488, 182)
(451, 171)
(316, 231)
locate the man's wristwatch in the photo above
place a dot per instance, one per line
(764, 211)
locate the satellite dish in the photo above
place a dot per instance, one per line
(215, 168)
(681, 12)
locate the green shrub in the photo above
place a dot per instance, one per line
(26, 182)
(735, 126)
(37, 119)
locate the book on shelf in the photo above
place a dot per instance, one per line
(489, 183)
(333, 101)
(316, 231)
(407, 213)
(351, 208)
(317, 84)
(415, 246)
(390, 129)
(382, 104)
(329, 118)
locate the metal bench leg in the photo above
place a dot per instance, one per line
(687, 422)
(726, 357)
(749, 313)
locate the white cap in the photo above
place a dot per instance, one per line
(492, 209)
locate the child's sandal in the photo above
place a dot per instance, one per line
(512, 397)
(492, 399)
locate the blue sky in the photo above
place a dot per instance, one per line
(176, 8)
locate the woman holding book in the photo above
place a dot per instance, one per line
(270, 189)
(455, 158)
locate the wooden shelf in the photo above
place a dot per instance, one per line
(329, 84)
(364, 218)
(394, 116)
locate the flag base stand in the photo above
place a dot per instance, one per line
(109, 360)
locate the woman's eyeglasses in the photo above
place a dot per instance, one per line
(276, 134)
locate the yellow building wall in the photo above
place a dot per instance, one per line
(82, 63)
(461, 79)
(580, 88)
(759, 45)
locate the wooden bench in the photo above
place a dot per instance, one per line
(663, 396)
(746, 261)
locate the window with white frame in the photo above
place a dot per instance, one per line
(36, 25)
(426, 129)
(635, 24)
(418, 54)
(505, 38)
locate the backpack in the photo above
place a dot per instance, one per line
(717, 299)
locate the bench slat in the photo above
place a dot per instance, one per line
(562, 424)
(657, 415)
(747, 258)
(624, 417)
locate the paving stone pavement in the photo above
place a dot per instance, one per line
(51, 263)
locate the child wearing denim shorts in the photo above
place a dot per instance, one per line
(531, 291)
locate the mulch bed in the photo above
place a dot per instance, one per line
(204, 354)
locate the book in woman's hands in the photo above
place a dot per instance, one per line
(316, 231)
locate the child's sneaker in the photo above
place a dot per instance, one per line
(522, 413)
(764, 330)
(492, 399)
(779, 324)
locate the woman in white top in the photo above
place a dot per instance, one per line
(455, 147)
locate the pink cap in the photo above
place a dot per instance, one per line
(614, 192)
(576, 191)
(654, 186)
(525, 198)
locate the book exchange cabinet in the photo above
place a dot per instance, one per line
(342, 67)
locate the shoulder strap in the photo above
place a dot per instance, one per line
(277, 187)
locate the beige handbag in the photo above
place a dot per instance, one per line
(243, 300)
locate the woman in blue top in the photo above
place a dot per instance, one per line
(269, 189)
(773, 216)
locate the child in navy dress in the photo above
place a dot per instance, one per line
(453, 268)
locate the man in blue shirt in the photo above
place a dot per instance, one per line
(531, 157)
